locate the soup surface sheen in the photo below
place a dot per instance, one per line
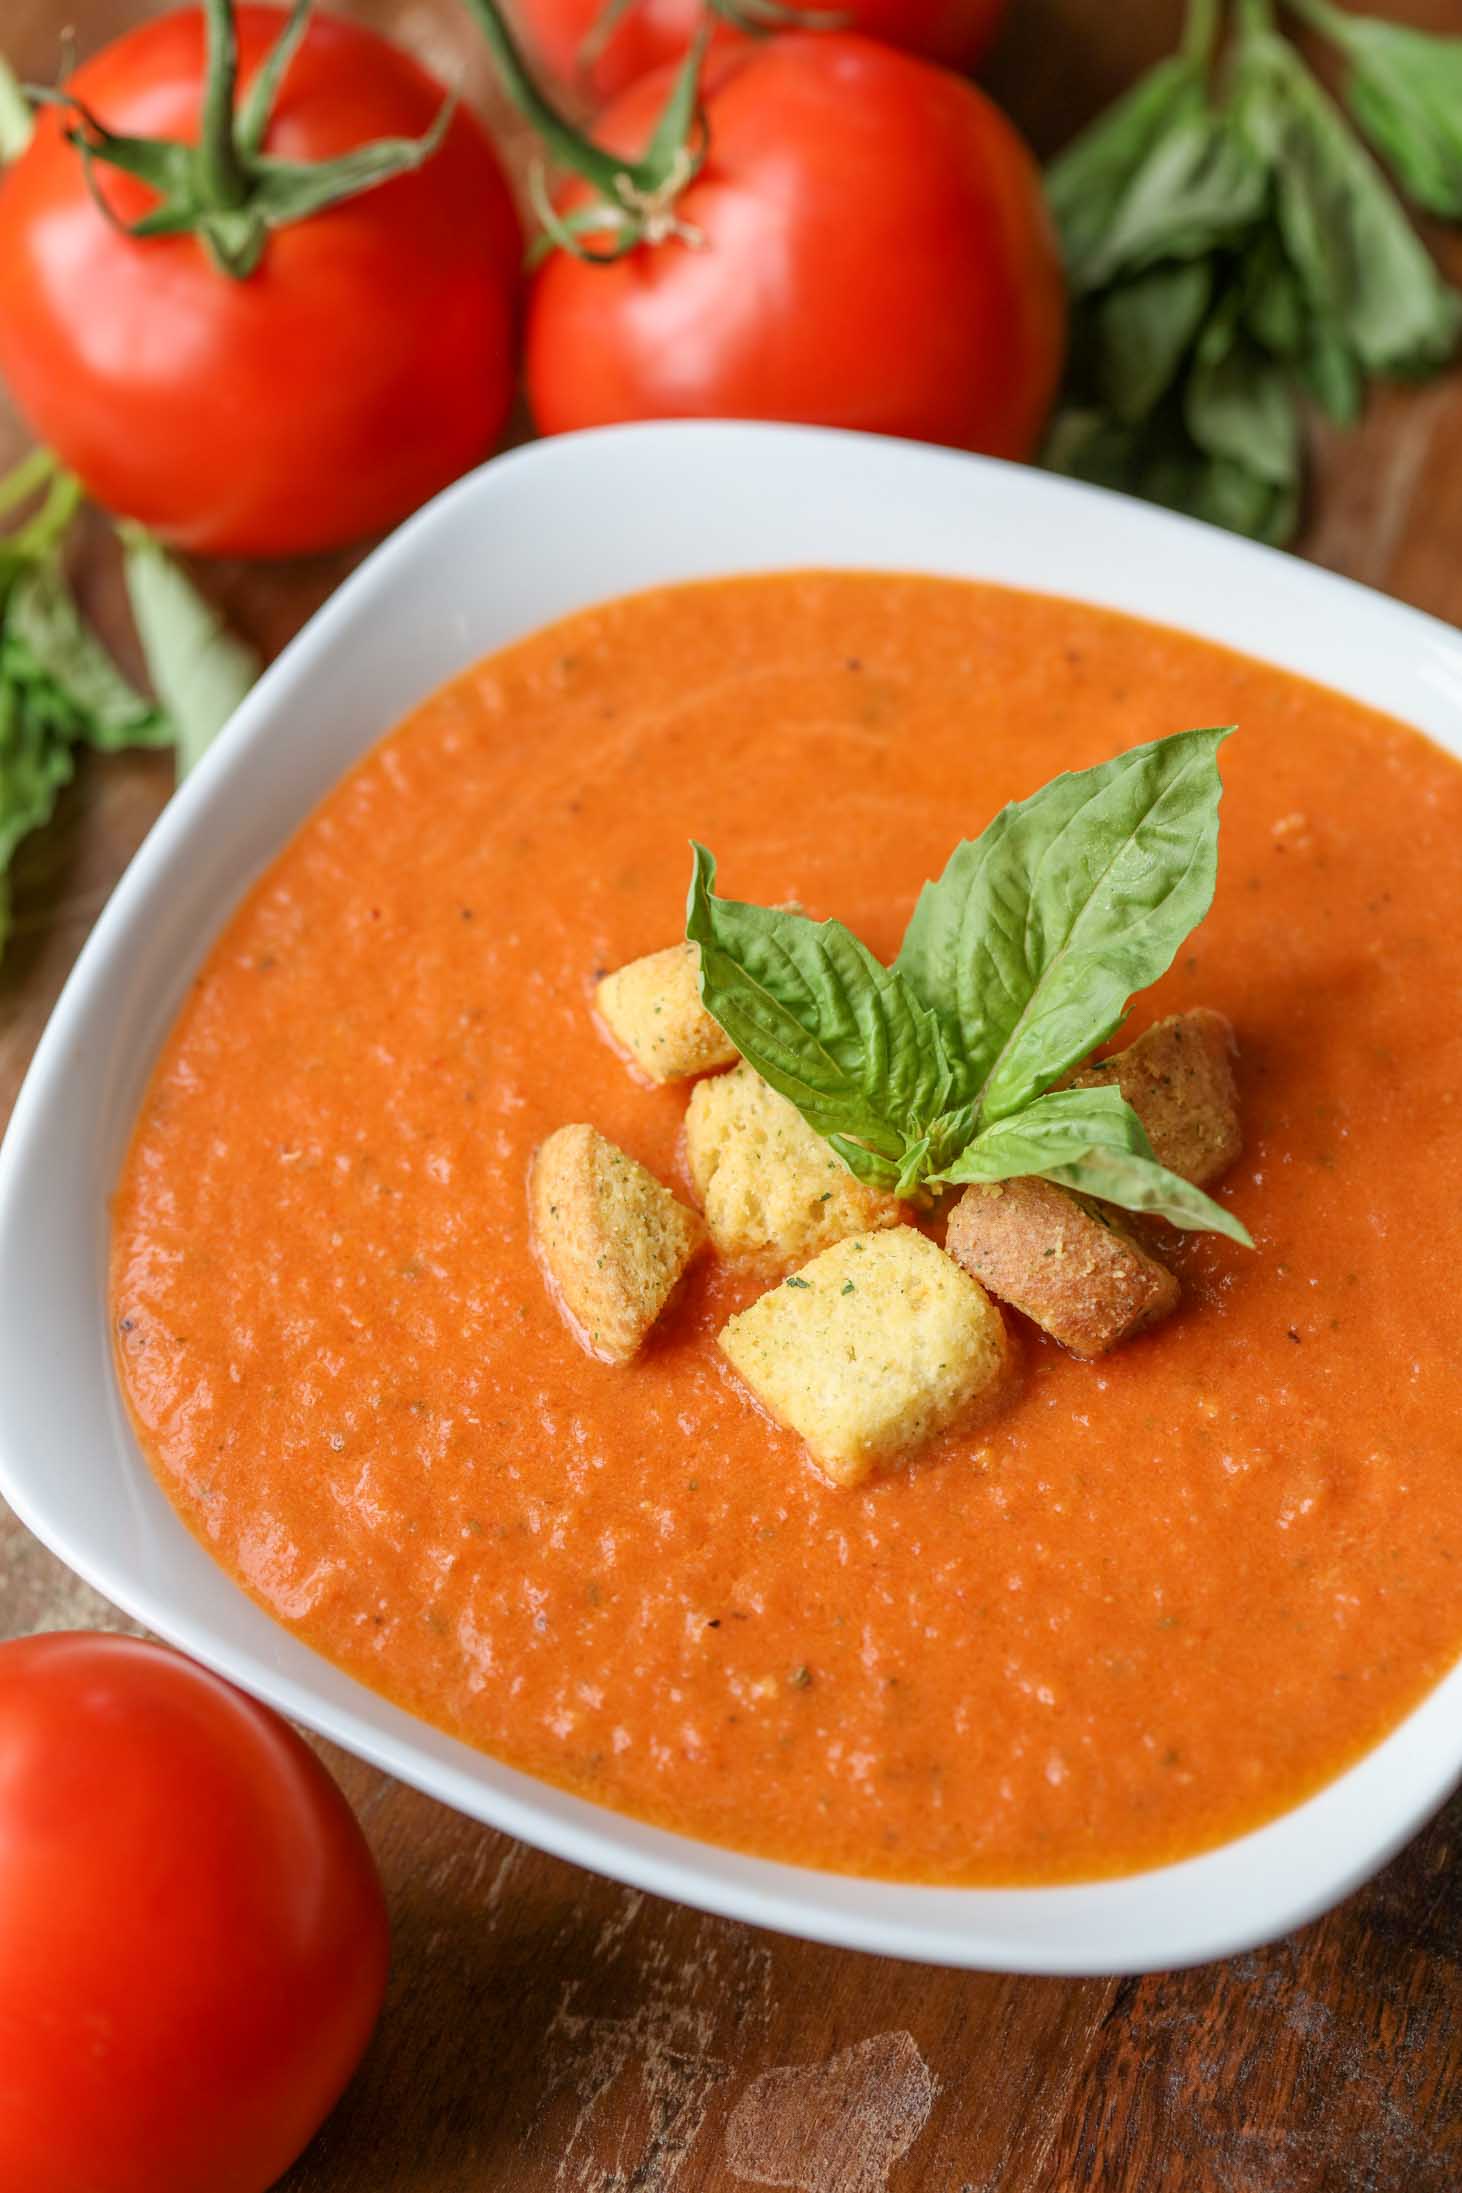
(1157, 1601)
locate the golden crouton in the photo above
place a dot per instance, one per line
(1179, 1080)
(652, 1008)
(612, 1242)
(770, 1187)
(869, 1350)
(1063, 1261)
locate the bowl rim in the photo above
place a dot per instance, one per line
(1224, 1900)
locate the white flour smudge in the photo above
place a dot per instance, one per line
(836, 2127)
(642, 2083)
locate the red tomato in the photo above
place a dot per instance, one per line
(957, 33)
(366, 362)
(193, 1940)
(876, 254)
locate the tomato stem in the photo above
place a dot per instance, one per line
(1199, 31)
(566, 144)
(227, 191)
(636, 197)
(223, 185)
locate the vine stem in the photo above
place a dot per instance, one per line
(565, 144)
(223, 185)
(1331, 22)
(26, 479)
(1199, 31)
(46, 529)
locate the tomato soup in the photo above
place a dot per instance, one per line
(1154, 1602)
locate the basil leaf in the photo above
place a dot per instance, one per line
(17, 122)
(34, 766)
(1332, 373)
(865, 1164)
(1363, 267)
(200, 669)
(1086, 184)
(1099, 1150)
(1030, 945)
(58, 688)
(1229, 494)
(1405, 90)
(1200, 188)
(1239, 406)
(1144, 328)
(1272, 299)
(49, 654)
(843, 1037)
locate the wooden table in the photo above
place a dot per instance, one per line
(548, 2030)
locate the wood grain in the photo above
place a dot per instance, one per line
(547, 2032)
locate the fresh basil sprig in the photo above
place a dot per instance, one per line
(199, 668)
(1404, 87)
(59, 687)
(1234, 252)
(1018, 962)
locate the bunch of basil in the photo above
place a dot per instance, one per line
(1233, 251)
(60, 688)
(1018, 962)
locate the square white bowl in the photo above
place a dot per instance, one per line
(531, 537)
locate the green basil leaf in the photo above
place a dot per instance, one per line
(1086, 443)
(1087, 182)
(1364, 269)
(1144, 328)
(1227, 493)
(843, 1037)
(199, 668)
(1095, 1149)
(60, 663)
(1056, 1129)
(865, 1164)
(17, 122)
(1272, 298)
(1200, 189)
(1038, 933)
(1239, 406)
(1157, 459)
(35, 762)
(1332, 373)
(1405, 90)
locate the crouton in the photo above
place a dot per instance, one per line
(870, 1350)
(1179, 1080)
(770, 1187)
(1063, 1261)
(611, 1240)
(652, 1009)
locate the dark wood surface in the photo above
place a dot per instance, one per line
(546, 2030)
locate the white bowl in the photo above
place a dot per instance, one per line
(532, 536)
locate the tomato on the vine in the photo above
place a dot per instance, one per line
(193, 1939)
(865, 245)
(566, 35)
(353, 360)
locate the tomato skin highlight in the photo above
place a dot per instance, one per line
(877, 254)
(365, 364)
(956, 33)
(193, 1939)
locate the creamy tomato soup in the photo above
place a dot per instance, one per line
(1155, 1601)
